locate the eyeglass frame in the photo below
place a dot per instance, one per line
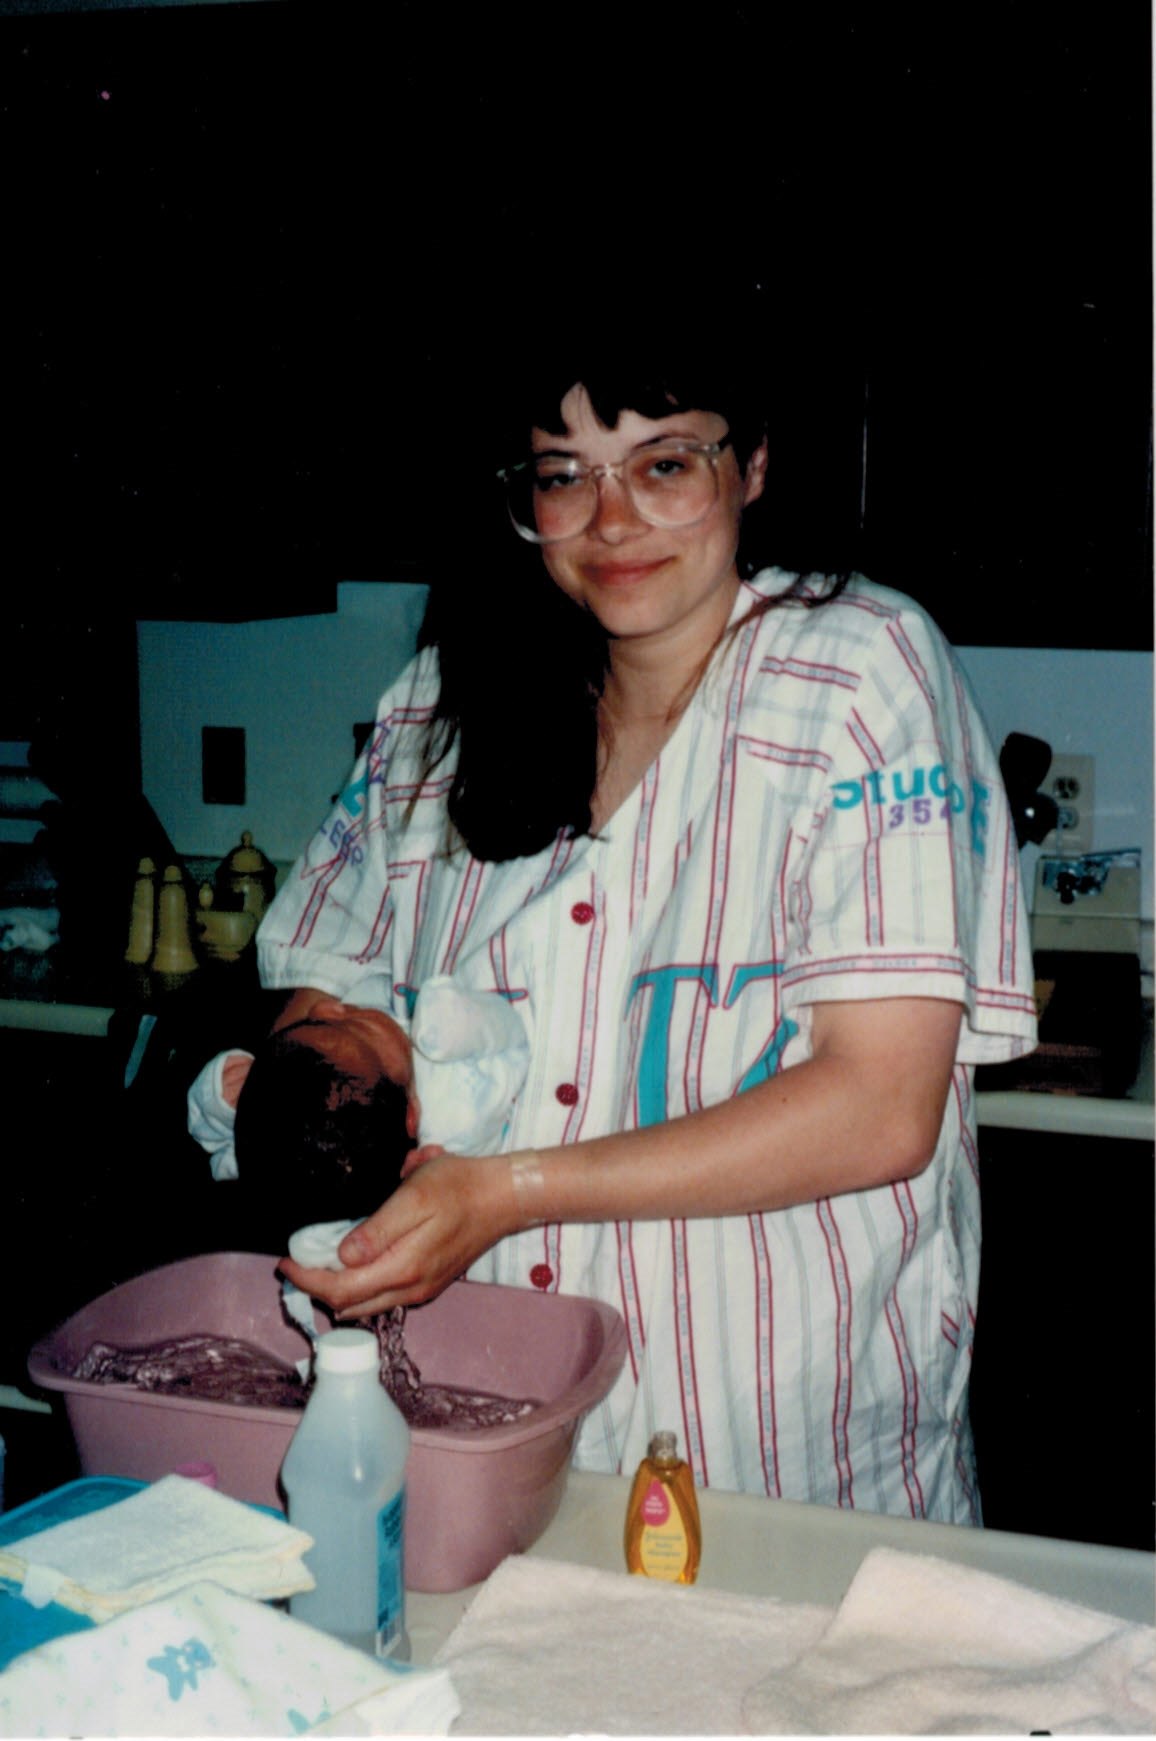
(507, 475)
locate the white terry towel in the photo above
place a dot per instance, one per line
(918, 1646)
(552, 1649)
(921, 1646)
(174, 1533)
(207, 1662)
(470, 1056)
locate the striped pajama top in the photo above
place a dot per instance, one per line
(827, 821)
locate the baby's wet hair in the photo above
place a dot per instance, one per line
(314, 1142)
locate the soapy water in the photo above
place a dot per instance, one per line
(226, 1370)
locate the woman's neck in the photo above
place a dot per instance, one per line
(649, 685)
(652, 678)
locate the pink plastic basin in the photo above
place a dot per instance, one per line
(473, 1496)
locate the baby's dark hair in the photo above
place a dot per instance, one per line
(314, 1143)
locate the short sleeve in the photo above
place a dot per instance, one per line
(328, 926)
(909, 883)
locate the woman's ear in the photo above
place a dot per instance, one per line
(755, 477)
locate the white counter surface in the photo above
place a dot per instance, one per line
(809, 1553)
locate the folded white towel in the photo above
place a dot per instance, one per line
(207, 1662)
(921, 1646)
(470, 1055)
(174, 1533)
(917, 1646)
(553, 1649)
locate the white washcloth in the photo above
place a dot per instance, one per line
(920, 1646)
(212, 1117)
(553, 1649)
(470, 1056)
(207, 1662)
(174, 1533)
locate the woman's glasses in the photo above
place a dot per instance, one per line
(669, 483)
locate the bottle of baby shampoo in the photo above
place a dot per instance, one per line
(663, 1533)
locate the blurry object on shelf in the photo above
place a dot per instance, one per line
(34, 928)
(246, 873)
(1024, 762)
(1086, 949)
(173, 958)
(23, 798)
(29, 921)
(222, 934)
(1090, 903)
(142, 918)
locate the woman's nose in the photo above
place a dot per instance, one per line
(615, 515)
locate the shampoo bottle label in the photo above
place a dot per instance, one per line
(390, 1575)
(663, 1545)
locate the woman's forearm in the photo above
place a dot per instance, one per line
(865, 1109)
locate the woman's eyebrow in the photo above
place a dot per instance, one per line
(639, 446)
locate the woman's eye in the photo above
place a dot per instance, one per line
(547, 483)
(663, 467)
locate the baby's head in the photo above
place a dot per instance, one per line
(324, 1120)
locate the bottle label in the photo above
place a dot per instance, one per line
(390, 1575)
(656, 1505)
(663, 1547)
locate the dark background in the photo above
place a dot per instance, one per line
(245, 243)
(246, 247)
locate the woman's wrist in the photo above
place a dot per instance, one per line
(529, 1188)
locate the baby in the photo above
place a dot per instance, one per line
(325, 1116)
(318, 1121)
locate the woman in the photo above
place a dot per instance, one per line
(737, 852)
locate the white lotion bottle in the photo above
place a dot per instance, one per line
(344, 1475)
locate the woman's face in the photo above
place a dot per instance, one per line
(653, 585)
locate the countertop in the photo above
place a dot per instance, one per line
(1131, 1117)
(810, 1553)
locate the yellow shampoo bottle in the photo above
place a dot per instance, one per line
(663, 1531)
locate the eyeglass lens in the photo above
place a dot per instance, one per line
(669, 485)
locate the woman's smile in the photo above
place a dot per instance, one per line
(625, 572)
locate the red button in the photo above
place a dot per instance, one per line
(582, 912)
(541, 1275)
(566, 1093)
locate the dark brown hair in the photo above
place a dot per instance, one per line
(313, 1142)
(522, 667)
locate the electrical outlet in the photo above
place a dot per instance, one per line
(1071, 782)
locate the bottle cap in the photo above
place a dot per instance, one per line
(200, 1469)
(347, 1351)
(664, 1446)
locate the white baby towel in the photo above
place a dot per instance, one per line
(470, 1056)
(173, 1533)
(920, 1646)
(207, 1662)
(552, 1649)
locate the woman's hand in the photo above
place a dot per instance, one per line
(447, 1212)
